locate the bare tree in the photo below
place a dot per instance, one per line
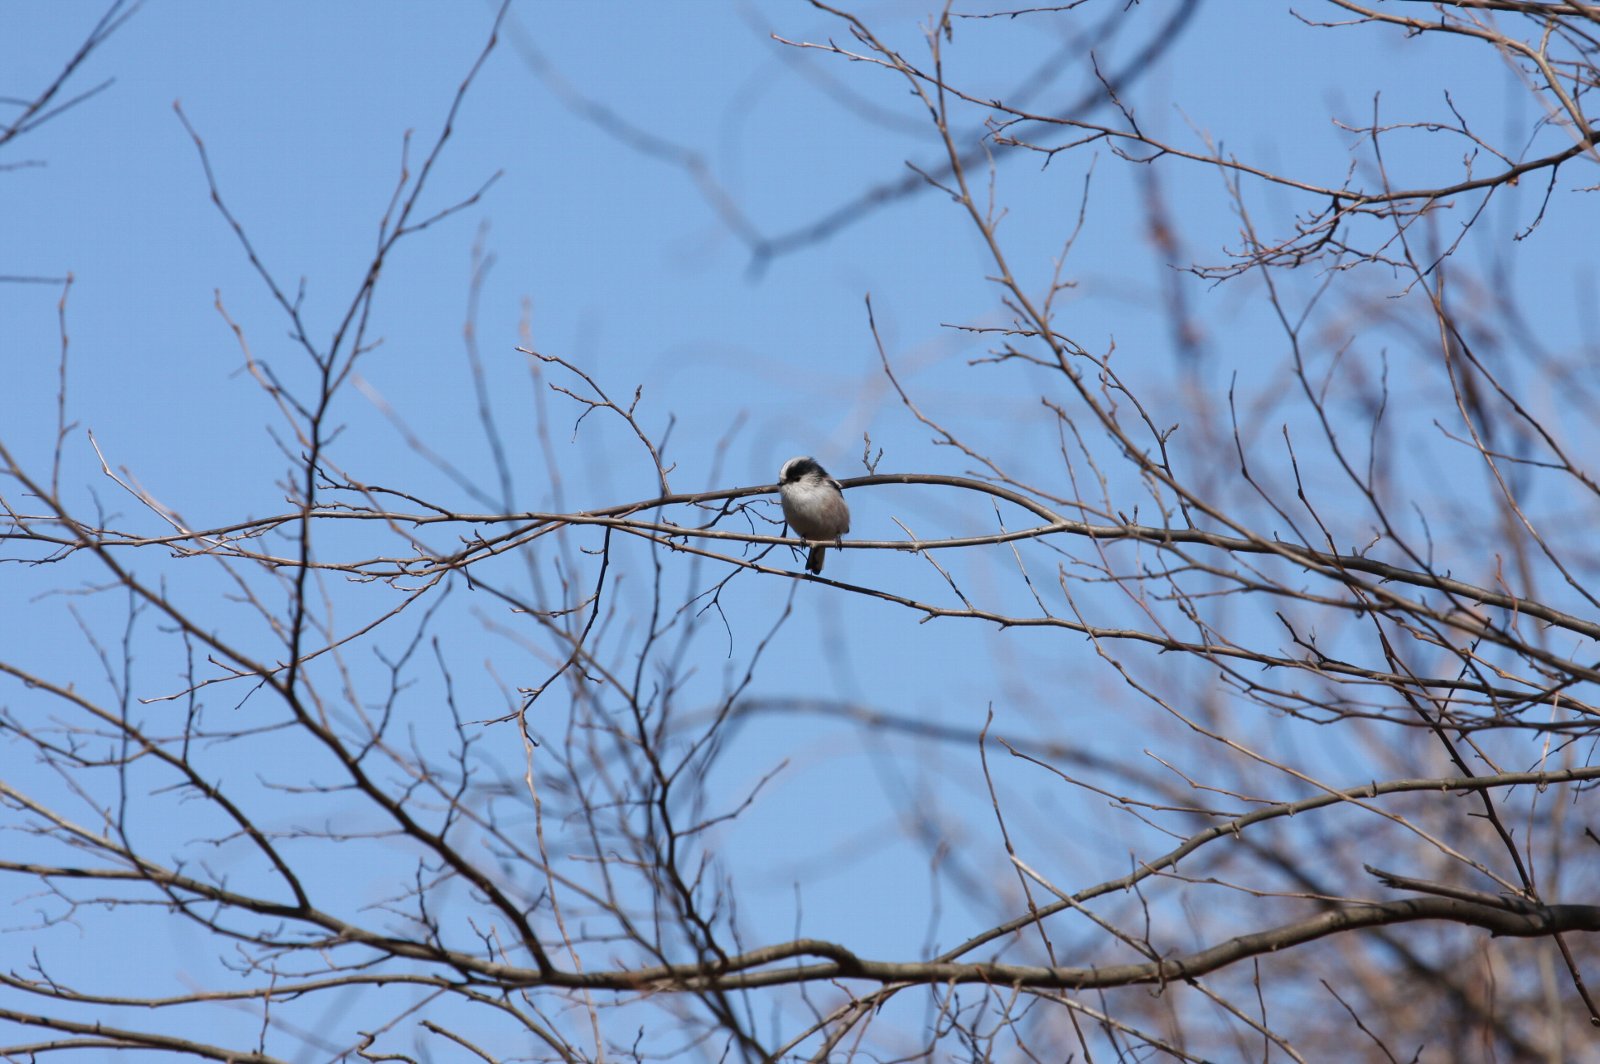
(1349, 593)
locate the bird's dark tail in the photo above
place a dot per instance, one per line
(814, 560)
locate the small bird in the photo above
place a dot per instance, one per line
(813, 504)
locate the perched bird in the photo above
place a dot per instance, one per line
(813, 504)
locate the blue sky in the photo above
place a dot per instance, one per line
(617, 261)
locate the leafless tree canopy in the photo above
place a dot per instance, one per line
(1345, 586)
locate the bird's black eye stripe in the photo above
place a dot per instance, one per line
(801, 467)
